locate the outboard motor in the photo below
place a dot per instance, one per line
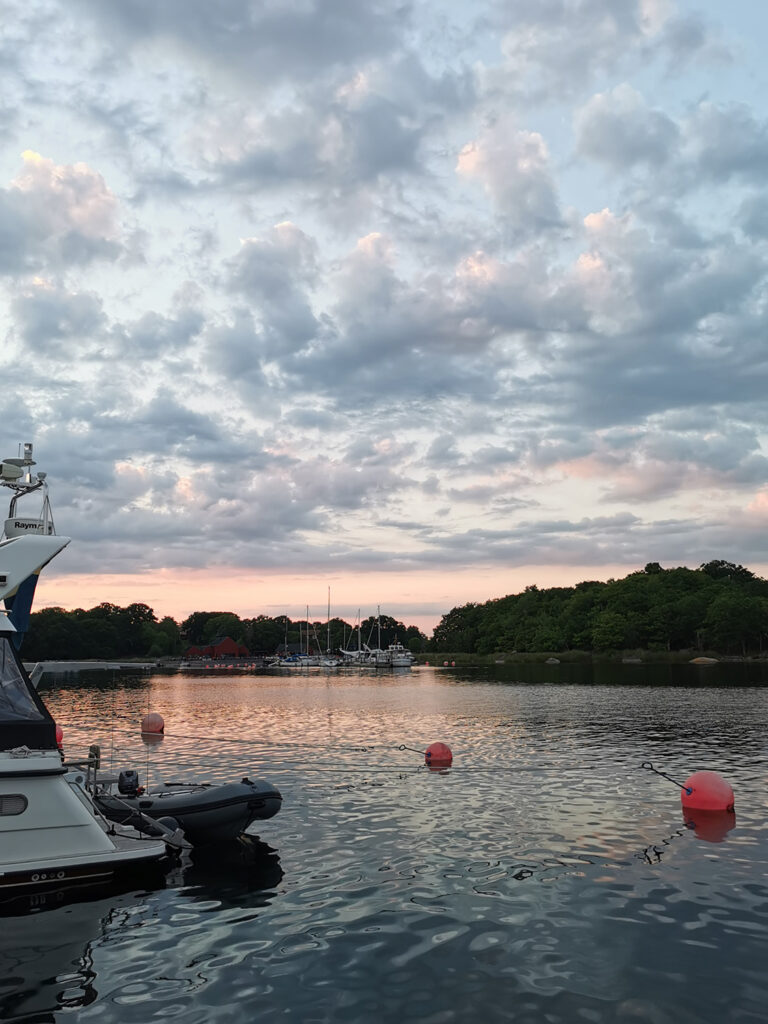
(128, 783)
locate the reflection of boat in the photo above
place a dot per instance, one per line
(40, 955)
(51, 964)
(231, 873)
(50, 832)
(206, 814)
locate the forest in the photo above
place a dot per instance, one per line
(720, 607)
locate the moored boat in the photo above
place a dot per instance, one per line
(206, 814)
(59, 825)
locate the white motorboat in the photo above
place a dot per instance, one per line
(51, 833)
(399, 656)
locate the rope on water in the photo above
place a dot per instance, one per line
(649, 767)
(371, 748)
(273, 744)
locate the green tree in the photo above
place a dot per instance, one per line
(193, 626)
(609, 631)
(734, 622)
(721, 570)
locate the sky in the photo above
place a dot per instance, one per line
(422, 303)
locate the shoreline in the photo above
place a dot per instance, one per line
(630, 657)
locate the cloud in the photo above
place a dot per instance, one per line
(53, 216)
(618, 129)
(154, 336)
(728, 141)
(512, 165)
(275, 274)
(358, 132)
(265, 43)
(555, 49)
(753, 217)
(48, 318)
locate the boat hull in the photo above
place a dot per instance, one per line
(44, 877)
(206, 814)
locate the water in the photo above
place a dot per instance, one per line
(545, 877)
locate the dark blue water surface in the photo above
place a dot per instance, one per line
(544, 877)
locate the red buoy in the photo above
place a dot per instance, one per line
(707, 791)
(59, 736)
(152, 723)
(438, 755)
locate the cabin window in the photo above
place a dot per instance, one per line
(13, 803)
(16, 702)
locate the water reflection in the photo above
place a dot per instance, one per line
(50, 958)
(709, 826)
(150, 739)
(712, 826)
(242, 873)
(49, 965)
(544, 876)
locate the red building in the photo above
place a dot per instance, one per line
(222, 647)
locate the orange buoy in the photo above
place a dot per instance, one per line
(706, 791)
(438, 755)
(152, 723)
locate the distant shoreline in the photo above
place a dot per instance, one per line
(438, 659)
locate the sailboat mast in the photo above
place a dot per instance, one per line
(328, 640)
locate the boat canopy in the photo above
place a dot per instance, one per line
(24, 719)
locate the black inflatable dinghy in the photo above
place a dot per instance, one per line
(206, 813)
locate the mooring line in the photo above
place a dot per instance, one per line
(649, 767)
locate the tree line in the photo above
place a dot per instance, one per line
(109, 631)
(720, 606)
